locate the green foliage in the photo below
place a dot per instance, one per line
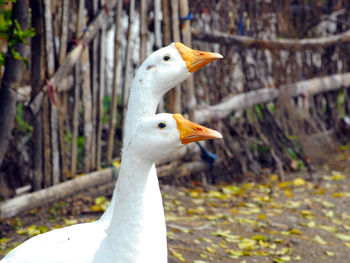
(271, 106)
(259, 112)
(5, 23)
(19, 35)
(2, 58)
(292, 153)
(107, 103)
(23, 126)
(11, 30)
(263, 148)
(341, 103)
(80, 144)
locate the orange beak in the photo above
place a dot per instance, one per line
(193, 132)
(196, 59)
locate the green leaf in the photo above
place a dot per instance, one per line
(2, 58)
(259, 112)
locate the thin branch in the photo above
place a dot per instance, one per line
(246, 100)
(113, 114)
(187, 40)
(286, 44)
(101, 20)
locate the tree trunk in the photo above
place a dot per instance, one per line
(37, 77)
(11, 79)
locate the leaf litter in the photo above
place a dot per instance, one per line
(290, 221)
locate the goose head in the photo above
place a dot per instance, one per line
(163, 134)
(169, 66)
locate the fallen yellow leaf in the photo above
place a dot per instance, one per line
(342, 236)
(329, 253)
(336, 176)
(319, 240)
(297, 182)
(210, 249)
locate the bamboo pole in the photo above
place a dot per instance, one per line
(166, 22)
(87, 110)
(29, 201)
(176, 38)
(248, 99)
(36, 79)
(277, 44)
(100, 97)
(75, 120)
(158, 38)
(47, 146)
(77, 79)
(74, 55)
(26, 202)
(157, 23)
(51, 143)
(128, 62)
(64, 32)
(187, 40)
(62, 98)
(50, 59)
(143, 30)
(113, 114)
(170, 96)
(94, 87)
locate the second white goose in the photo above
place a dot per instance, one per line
(133, 233)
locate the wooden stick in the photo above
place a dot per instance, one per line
(157, 24)
(50, 59)
(46, 145)
(74, 55)
(113, 114)
(50, 113)
(176, 38)
(26, 202)
(158, 39)
(166, 23)
(128, 62)
(64, 32)
(100, 97)
(87, 101)
(87, 110)
(62, 98)
(75, 121)
(42, 197)
(187, 39)
(246, 100)
(143, 30)
(286, 44)
(77, 78)
(95, 87)
(37, 77)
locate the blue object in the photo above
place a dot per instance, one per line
(189, 17)
(207, 156)
(240, 25)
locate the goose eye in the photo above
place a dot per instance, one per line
(166, 58)
(162, 125)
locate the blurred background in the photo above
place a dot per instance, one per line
(280, 96)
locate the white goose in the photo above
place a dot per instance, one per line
(161, 71)
(130, 235)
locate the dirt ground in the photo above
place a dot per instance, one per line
(296, 220)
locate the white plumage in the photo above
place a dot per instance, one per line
(133, 227)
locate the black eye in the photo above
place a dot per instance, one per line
(166, 58)
(162, 125)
